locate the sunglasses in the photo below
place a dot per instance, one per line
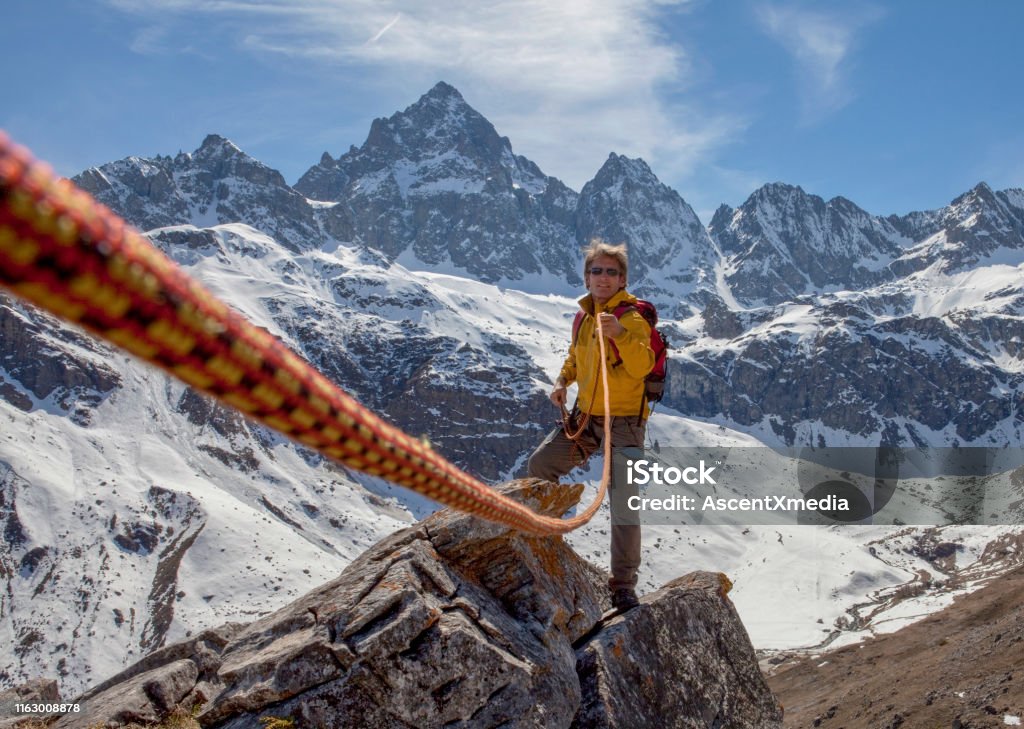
(597, 271)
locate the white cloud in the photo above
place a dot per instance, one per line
(821, 43)
(567, 80)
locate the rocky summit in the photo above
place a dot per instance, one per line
(436, 184)
(456, 622)
(216, 183)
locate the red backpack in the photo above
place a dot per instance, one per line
(654, 383)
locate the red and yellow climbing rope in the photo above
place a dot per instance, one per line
(66, 253)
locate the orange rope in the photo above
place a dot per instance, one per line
(68, 254)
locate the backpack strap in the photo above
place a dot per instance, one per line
(619, 311)
(576, 324)
(623, 308)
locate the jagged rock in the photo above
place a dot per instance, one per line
(12, 529)
(14, 396)
(151, 688)
(453, 622)
(203, 410)
(47, 359)
(147, 697)
(217, 183)
(138, 538)
(36, 691)
(720, 322)
(681, 659)
(437, 182)
(784, 242)
(386, 644)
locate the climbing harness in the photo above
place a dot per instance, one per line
(66, 253)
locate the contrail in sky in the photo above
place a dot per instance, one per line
(384, 30)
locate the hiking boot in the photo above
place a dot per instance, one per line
(624, 599)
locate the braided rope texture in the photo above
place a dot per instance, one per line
(66, 253)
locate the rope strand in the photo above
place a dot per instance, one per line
(68, 254)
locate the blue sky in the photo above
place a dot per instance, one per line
(897, 106)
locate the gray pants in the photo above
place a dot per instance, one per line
(557, 455)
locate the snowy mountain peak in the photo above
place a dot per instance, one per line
(214, 149)
(778, 199)
(436, 187)
(617, 166)
(623, 176)
(846, 206)
(445, 94)
(438, 137)
(784, 242)
(438, 122)
(723, 215)
(981, 224)
(780, 191)
(982, 189)
(670, 251)
(215, 145)
(217, 183)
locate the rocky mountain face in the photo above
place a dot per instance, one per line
(436, 184)
(979, 226)
(783, 243)
(41, 359)
(215, 184)
(848, 368)
(388, 642)
(370, 330)
(845, 326)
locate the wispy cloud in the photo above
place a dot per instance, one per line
(568, 81)
(821, 43)
(149, 40)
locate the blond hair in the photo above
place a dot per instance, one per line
(598, 248)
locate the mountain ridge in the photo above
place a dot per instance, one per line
(434, 334)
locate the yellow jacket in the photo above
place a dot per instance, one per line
(625, 380)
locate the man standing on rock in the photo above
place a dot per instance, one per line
(629, 358)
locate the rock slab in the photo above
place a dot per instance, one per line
(681, 659)
(456, 622)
